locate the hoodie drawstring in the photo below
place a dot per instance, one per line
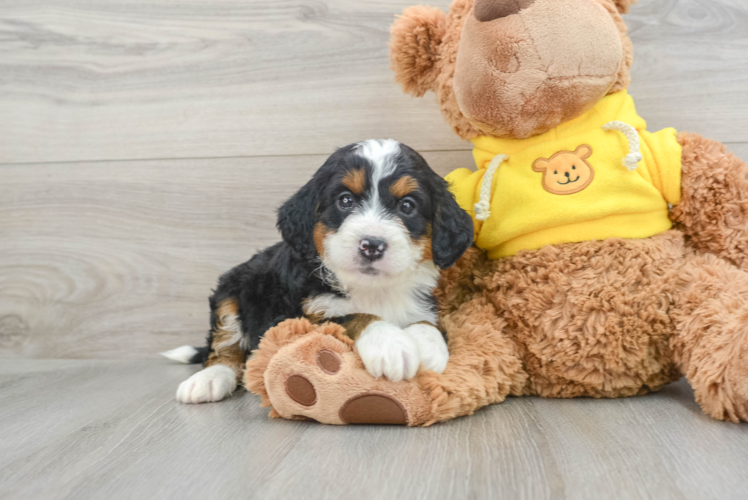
(483, 207)
(631, 161)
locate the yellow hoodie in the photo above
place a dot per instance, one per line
(599, 176)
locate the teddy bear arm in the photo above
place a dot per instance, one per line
(485, 365)
(307, 371)
(713, 212)
(710, 343)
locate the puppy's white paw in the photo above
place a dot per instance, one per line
(432, 348)
(386, 350)
(211, 384)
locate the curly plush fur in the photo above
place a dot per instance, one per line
(601, 319)
(424, 45)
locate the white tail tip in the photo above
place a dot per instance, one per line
(182, 354)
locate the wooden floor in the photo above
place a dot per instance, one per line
(144, 149)
(84, 429)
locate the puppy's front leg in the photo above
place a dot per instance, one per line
(432, 346)
(224, 365)
(385, 349)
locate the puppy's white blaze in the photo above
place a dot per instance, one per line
(432, 348)
(182, 354)
(211, 384)
(388, 351)
(382, 154)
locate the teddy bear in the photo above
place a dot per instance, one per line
(608, 260)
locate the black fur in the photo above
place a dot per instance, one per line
(452, 227)
(272, 286)
(269, 288)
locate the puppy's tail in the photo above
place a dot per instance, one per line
(187, 354)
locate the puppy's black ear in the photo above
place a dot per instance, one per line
(452, 229)
(297, 217)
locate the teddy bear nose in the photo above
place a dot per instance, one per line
(489, 10)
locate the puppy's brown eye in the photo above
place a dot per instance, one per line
(346, 201)
(408, 206)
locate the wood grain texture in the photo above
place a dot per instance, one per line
(127, 79)
(118, 259)
(244, 99)
(95, 429)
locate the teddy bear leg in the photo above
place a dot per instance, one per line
(714, 199)
(320, 377)
(313, 372)
(711, 341)
(305, 371)
(485, 365)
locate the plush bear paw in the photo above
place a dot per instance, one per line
(721, 387)
(739, 382)
(319, 377)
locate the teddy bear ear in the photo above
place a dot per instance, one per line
(415, 40)
(583, 152)
(541, 164)
(623, 6)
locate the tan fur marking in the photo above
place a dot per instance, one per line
(226, 308)
(358, 324)
(355, 180)
(231, 355)
(320, 233)
(427, 252)
(314, 318)
(403, 186)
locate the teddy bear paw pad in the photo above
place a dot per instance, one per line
(301, 390)
(319, 377)
(329, 362)
(373, 409)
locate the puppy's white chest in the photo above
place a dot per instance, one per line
(396, 308)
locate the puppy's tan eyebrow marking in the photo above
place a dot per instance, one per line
(404, 186)
(355, 180)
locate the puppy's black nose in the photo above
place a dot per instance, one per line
(372, 248)
(488, 10)
(567, 175)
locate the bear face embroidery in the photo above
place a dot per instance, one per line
(566, 172)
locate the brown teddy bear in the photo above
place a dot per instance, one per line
(610, 260)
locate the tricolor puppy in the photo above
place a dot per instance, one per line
(362, 246)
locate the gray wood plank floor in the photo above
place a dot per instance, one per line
(101, 244)
(144, 147)
(97, 255)
(126, 79)
(84, 429)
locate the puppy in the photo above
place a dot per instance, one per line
(362, 246)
